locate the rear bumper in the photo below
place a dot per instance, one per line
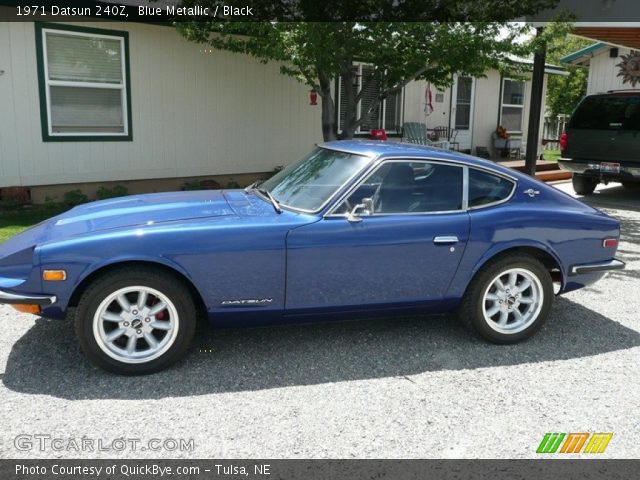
(19, 298)
(596, 267)
(628, 170)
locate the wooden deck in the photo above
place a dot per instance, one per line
(545, 171)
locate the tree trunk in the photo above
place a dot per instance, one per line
(348, 77)
(329, 130)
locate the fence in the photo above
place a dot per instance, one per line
(551, 131)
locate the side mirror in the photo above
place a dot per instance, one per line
(365, 208)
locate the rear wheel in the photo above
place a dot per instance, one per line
(509, 299)
(583, 185)
(135, 320)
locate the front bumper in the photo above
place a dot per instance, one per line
(593, 168)
(596, 267)
(19, 298)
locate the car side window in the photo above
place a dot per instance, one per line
(410, 187)
(486, 188)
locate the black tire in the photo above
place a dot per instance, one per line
(165, 283)
(584, 185)
(471, 311)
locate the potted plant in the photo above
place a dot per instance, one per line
(501, 140)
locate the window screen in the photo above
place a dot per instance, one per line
(512, 105)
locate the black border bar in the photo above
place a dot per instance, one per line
(543, 469)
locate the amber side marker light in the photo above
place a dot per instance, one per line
(34, 309)
(54, 275)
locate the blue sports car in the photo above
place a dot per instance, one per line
(353, 228)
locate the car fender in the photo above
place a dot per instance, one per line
(81, 260)
(470, 267)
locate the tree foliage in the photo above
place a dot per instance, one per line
(564, 92)
(318, 53)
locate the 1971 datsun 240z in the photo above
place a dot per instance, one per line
(353, 228)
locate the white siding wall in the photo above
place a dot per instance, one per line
(414, 105)
(485, 111)
(194, 113)
(603, 72)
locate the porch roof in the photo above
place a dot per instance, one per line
(621, 35)
(583, 54)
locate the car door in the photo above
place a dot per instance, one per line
(404, 252)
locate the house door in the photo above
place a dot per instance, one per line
(462, 110)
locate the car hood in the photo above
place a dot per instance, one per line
(146, 209)
(125, 212)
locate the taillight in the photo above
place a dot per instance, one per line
(610, 243)
(564, 142)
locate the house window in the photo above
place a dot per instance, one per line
(84, 83)
(512, 105)
(387, 113)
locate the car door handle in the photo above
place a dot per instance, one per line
(445, 239)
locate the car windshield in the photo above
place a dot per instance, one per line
(310, 182)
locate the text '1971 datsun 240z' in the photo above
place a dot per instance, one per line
(352, 229)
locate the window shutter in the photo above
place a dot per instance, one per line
(393, 112)
(370, 96)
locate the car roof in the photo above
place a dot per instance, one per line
(383, 149)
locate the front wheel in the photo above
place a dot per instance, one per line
(508, 300)
(583, 185)
(135, 320)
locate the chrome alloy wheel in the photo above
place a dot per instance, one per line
(135, 324)
(512, 301)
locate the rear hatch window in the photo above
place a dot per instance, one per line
(607, 112)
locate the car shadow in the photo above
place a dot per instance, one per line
(47, 360)
(614, 197)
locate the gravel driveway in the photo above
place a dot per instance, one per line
(403, 387)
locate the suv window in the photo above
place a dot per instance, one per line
(485, 188)
(604, 112)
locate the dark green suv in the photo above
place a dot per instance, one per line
(602, 141)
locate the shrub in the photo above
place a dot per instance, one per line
(192, 185)
(51, 203)
(117, 191)
(74, 197)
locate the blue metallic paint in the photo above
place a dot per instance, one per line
(233, 245)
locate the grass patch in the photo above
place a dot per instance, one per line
(15, 221)
(551, 155)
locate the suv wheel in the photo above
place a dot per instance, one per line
(583, 185)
